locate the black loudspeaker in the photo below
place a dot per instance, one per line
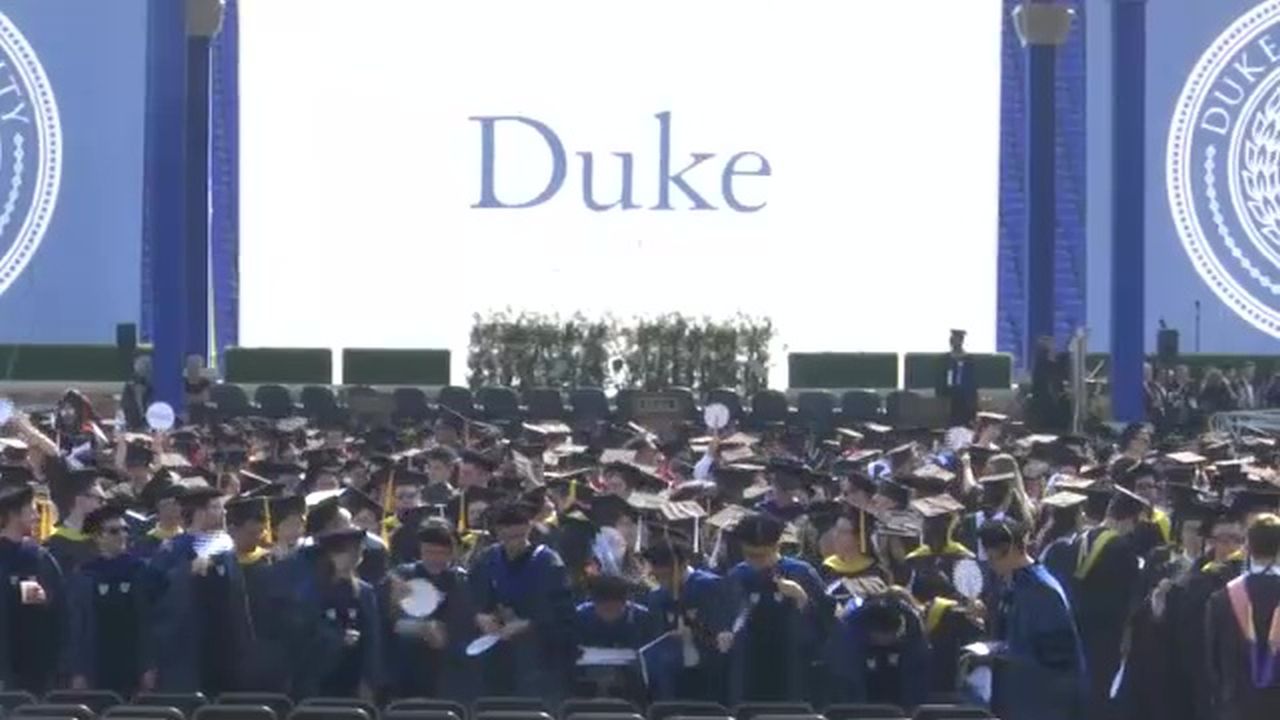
(1167, 346)
(126, 338)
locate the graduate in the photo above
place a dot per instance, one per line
(849, 568)
(880, 655)
(428, 655)
(1243, 632)
(949, 626)
(1039, 670)
(257, 599)
(779, 614)
(367, 515)
(1105, 589)
(32, 597)
(787, 489)
(160, 498)
(958, 382)
(195, 618)
(522, 594)
(933, 562)
(340, 655)
(609, 620)
(107, 638)
(76, 494)
(288, 524)
(696, 605)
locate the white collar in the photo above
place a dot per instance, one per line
(1251, 569)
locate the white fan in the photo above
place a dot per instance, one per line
(423, 599)
(967, 578)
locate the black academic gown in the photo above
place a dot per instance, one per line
(107, 638)
(375, 560)
(1105, 593)
(777, 653)
(958, 383)
(703, 607)
(70, 548)
(948, 629)
(1188, 610)
(263, 667)
(1243, 673)
(332, 668)
(31, 636)
(632, 631)
(864, 673)
(415, 668)
(536, 588)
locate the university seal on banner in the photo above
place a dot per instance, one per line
(30, 152)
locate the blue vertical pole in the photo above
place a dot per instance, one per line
(1041, 198)
(164, 200)
(1129, 67)
(197, 192)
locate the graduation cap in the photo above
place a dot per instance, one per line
(1064, 500)
(242, 511)
(758, 530)
(992, 418)
(901, 455)
(1127, 504)
(608, 510)
(14, 496)
(356, 501)
(286, 506)
(727, 517)
(14, 473)
(340, 540)
(194, 497)
(850, 435)
(547, 427)
(252, 483)
(137, 454)
(937, 506)
(1248, 502)
(897, 493)
(928, 479)
(96, 519)
(480, 460)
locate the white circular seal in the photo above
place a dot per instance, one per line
(1222, 167)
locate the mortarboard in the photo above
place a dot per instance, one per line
(992, 417)
(1125, 503)
(340, 540)
(16, 474)
(727, 517)
(356, 501)
(15, 495)
(94, 521)
(937, 506)
(137, 454)
(246, 510)
(193, 497)
(480, 460)
(1245, 502)
(997, 478)
(849, 434)
(1064, 500)
(285, 507)
(897, 493)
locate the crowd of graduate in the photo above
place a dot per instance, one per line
(1126, 576)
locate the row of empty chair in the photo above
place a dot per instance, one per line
(96, 704)
(817, 411)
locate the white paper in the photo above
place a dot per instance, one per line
(607, 656)
(1118, 680)
(979, 683)
(482, 644)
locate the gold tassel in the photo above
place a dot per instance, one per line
(862, 531)
(268, 537)
(462, 513)
(388, 501)
(573, 491)
(44, 528)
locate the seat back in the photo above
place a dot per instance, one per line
(235, 712)
(768, 407)
(505, 704)
(678, 708)
(728, 398)
(231, 400)
(854, 711)
(15, 698)
(50, 710)
(750, 711)
(544, 404)
(512, 715)
(319, 403)
(816, 410)
(274, 401)
(410, 405)
(589, 406)
(457, 399)
(860, 406)
(188, 703)
(144, 712)
(950, 712)
(579, 706)
(328, 712)
(95, 700)
(278, 702)
(429, 705)
(364, 706)
(499, 404)
(421, 715)
(603, 716)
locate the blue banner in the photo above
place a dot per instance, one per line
(72, 110)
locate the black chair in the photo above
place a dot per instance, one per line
(677, 708)
(509, 704)
(512, 715)
(274, 401)
(860, 406)
(320, 404)
(95, 700)
(851, 711)
(74, 712)
(544, 404)
(499, 404)
(188, 703)
(231, 400)
(902, 406)
(728, 398)
(816, 411)
(950, 712)
(278, 702)
(603, 716)
(589, 408)
(143, 712)
(410, 405)
(788, 716)
(367, 708)
(768, 407)
(235, 712)
(15, 698)
(624, 405)
(428, 705)
(457, 399)
(389, 714)
(751, 711)
(328, 712)
(597, 706)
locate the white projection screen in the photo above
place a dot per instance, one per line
(849, 189)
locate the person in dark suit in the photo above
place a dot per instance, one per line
(958, 382)
(32, 597)
(137, 394)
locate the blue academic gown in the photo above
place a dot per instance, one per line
(199, 623)
(416, 670)
(1041, 675)
(775, 654)
(705, 607)
(632, 631)
(535, 587)
(30, 635)
(108, 639)
(327, 666)
(897, 675)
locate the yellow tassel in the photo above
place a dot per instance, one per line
(44, 528)
(462, 513)
(573, 491)
(268, 537)
(862, 531)
(388, 501)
